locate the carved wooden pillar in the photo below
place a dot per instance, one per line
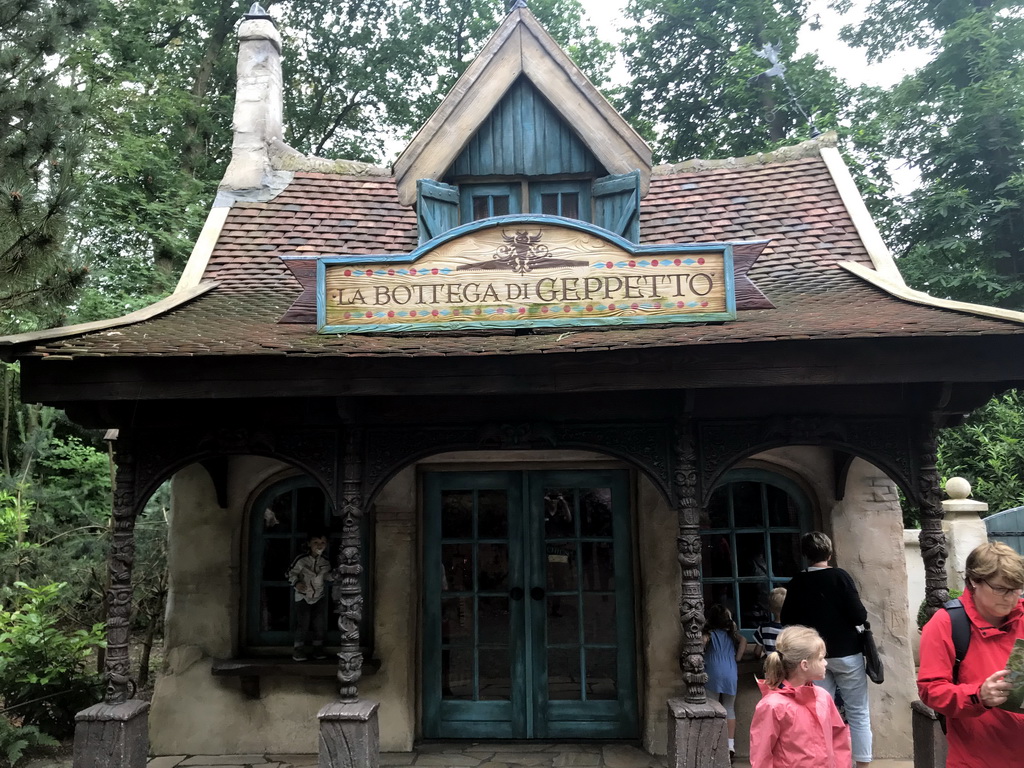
(119, 595)
(349, 732)
(691, 602)
(115, 733)
(933, 540)
(697, 727)
(347, 587)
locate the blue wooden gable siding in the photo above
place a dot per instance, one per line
(524, 136)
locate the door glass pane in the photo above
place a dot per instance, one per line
(277, 517)
(746, 505)
(494, 627)
(562, 565)
(492, 515)
(549, 204)
(558, 513)
(785, 554)
(596, 512)
(599, 618)
(481, 207)
(598, 566)
(457, 620)
(602, 674)
(457, 674)
(564, 674)
(750, 555)
(456, 514)
(499, 205)
(495, 676)
(275, 609)
(782, 509)
(457, 567)
(563, 620)
(277, 557)
(717, 556)
(718, 510)
(753, 605)
(570, 205)
(722, 594)
(492, 567)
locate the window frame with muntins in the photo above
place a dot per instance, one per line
(735, 587)
(297, 489)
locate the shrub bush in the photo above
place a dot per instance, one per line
(14, 740)
(44, 674)
(922, 612)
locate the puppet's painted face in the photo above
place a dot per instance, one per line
(317, 545)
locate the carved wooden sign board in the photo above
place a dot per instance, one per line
(525, 271)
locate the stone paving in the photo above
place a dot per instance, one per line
(491, 754)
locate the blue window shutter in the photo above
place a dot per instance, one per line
(617, 204)
(437, 208)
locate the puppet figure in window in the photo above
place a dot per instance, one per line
(307, 575)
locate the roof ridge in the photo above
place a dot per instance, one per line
(284, 157)
(808, 148)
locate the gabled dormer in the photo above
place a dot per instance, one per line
(524, 131)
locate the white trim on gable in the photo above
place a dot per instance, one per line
(520, 46)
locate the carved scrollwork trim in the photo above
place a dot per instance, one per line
(884, 442)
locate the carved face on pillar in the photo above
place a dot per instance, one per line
(350, 665)
(689, 551)
(348, 562)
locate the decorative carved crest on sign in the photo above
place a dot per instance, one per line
(522, 252)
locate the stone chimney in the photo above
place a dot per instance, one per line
(259, 104)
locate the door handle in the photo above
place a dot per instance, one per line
(537, 593)
(516, 593)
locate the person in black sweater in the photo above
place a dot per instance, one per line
(826, 599)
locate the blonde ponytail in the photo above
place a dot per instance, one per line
(793, 645)
(774, 669)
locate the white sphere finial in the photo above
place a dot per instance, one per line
(958, 488)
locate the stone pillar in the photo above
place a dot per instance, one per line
(697, 727)
(116, 734)
(112, 736)
(697, 735)
(933, 540)
(349, 734)
(963, 527)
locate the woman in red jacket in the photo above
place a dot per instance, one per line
(978, 733)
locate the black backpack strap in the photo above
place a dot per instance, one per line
(960, 628)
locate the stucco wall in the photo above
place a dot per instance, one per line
(195, 712)
(867, 528)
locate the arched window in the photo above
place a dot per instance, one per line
(281, 521)
(750, 541)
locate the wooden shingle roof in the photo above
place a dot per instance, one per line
(792, 202)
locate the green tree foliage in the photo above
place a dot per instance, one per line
(40, 109)
(697, 84)
(988, 450)
(959, 122)
(357, 76)
(44, 678)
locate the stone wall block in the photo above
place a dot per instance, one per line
(112, 736)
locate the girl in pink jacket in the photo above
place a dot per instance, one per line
(796, 724)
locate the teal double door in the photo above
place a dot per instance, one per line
(528, 606)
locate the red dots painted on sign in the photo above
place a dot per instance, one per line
(700, 261)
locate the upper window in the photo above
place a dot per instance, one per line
(281, 521)
(751, 542)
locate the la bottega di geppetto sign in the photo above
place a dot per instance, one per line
(522, 272)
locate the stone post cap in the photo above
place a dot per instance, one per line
(958, 489)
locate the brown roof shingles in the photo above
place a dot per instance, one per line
(793, 204)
